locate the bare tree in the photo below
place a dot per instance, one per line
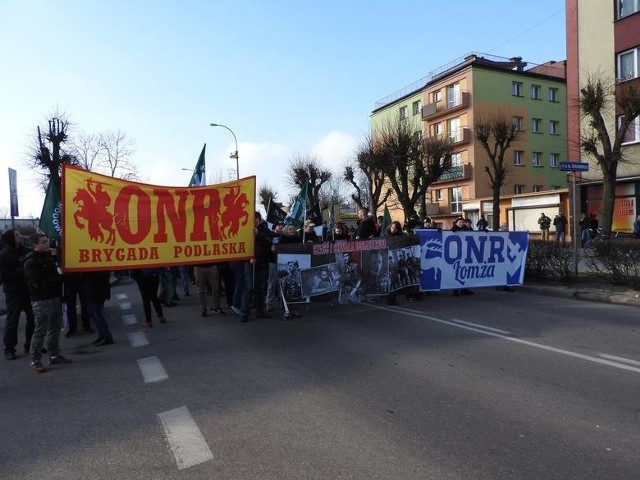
(116, 152)
(47, 154)
(307, 168)
(376, 190)
(496, 133)
(411, 164)
(86, 150)
(600, 99)
(266, 194)
(331, 193)
(4, 212)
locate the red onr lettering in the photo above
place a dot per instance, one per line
(121, 209)
(206, 207)
(167, 208)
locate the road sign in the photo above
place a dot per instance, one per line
(574, 166)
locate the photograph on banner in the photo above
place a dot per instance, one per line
(404, 267)
(451, 260)
(350, 277)
(375, 273)
(321, 280)
(290, 266)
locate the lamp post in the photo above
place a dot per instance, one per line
(233, 155)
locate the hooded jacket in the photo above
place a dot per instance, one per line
(42, 276)
(11, 270)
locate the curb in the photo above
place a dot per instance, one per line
(630, 297)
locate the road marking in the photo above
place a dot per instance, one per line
(620, 359)
(125, 305)
(415, 313)
(137, 339)
(504, 332)
(186, 443)
(121, 296)
(129, 319)
(152, 370)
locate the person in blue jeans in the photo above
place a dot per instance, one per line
(99, 291)
(243, 288)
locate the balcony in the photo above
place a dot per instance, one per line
(431, 111)
(459, 172)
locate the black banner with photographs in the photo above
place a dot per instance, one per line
(348, 272)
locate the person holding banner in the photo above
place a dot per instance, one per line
(148, 280)
(459, 225)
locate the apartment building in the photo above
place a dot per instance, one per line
(603, 38)
(448, 101)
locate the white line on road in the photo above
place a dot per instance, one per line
(186, 443)
(129, 319)
(620, 359)
(504, 332)
(121, 296)
(152, 370)
(125, 305)
(137, 339)
(415, 313)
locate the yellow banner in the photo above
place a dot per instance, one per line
(113, 224)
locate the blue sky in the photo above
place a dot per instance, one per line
(287, 76)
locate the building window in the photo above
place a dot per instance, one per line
(416, 107)
(536, 124)
(404, 112)
(516, 89)
(627, 7)
(436, 96)
(536, 159)
(538, 188)
(517, 123)
(517, 157)
(417, 135)
(535, 92)
(454, 130)
(456, 159)
(453, 95)
(553, 94)
(455, 199)
(518, 189)
(632, 134)
(553, 160)
(436, 128)
(628, 65)
(437, 195)
(553, 127)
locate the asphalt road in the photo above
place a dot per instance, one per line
(491, 386)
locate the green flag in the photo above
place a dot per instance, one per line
(386, 221)
(199, 177)
(51, 216)
(298, 211)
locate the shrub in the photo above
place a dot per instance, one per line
(550, 261)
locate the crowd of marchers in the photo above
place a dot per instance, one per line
(36, 288)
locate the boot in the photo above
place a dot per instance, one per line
(98, 340)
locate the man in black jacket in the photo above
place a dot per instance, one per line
(16, 293)
(367, 226)
(45, 290)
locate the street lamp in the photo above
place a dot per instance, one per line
(233, 155)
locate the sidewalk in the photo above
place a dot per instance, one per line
(602, 293)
